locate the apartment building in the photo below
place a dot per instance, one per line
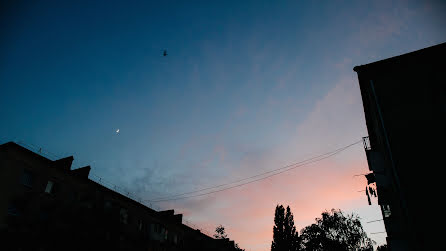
(45, 205)
(404, 101)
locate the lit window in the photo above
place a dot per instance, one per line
(27, 178)
(49, 187)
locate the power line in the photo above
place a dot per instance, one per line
(242, 184)
(257, 175)
(271, 172)
(374, 221)
(283, 169)
(379, 232)
(178, 196)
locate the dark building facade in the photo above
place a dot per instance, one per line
(404, 101)
(44, 205)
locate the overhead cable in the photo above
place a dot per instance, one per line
(274, 172)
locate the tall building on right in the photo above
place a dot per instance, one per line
(404, 99)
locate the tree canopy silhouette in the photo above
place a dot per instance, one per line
(220, 232)
(335, 231)
(285, 237)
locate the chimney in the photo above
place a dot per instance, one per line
(64, 163)
(82, 172)
(177, 218)
(166, 213)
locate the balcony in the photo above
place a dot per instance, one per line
(366, 143)
(377, 164)
(375, 159)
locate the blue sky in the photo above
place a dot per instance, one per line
(247, 86)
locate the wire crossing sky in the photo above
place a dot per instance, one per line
(245, 86)
(274, 172)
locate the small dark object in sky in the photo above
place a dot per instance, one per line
(165, 53)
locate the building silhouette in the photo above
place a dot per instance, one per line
(404, 101)
(45, 205)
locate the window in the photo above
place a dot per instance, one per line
(123, 215)
(13, 210)
(107, 205)
(159, 229)
(27, 178)
(88, 204)
(156, 228)
(386, 210)
(146, 229)
(50, 187)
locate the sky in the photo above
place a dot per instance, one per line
(246, 87)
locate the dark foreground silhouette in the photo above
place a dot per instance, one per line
(332, 231)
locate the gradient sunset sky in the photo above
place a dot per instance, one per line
(247, 87)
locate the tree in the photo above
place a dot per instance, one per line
(285, 237)
(220, 232)
(335, 231)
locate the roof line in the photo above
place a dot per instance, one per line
(409, 54)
